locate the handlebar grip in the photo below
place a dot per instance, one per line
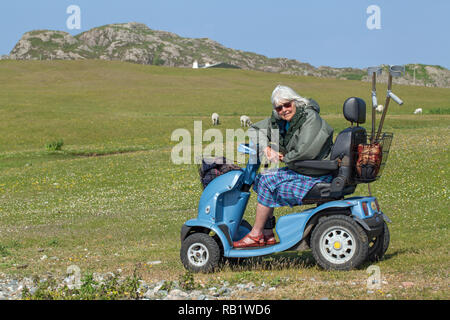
(374, 100)
(395, 98)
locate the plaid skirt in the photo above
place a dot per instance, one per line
(284, 187)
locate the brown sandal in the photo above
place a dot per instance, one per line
(270, 239)
(248, 241)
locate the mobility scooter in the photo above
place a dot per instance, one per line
(342, 232)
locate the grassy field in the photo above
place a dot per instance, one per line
(111, 198)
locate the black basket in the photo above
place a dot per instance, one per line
(370, 158)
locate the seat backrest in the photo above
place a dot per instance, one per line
(354, 110)
(347, 141)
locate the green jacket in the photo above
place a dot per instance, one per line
(309, 137)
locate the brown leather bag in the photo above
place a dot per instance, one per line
(369, 160)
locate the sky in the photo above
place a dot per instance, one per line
(321, 32)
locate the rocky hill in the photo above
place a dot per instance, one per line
(135, 42)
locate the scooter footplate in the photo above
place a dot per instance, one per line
(253, 248)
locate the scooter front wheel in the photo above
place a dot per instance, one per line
(200, 253)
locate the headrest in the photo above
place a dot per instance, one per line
(355, 110)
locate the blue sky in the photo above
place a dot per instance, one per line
(320, 32)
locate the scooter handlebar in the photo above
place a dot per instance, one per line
(374, 100)
(395, 98)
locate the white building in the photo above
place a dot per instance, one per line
(195, 65)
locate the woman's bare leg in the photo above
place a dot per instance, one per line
(262, 214)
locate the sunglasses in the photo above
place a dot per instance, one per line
(286, 105)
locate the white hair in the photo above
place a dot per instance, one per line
(284, 93)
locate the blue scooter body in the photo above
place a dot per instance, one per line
(222, 206)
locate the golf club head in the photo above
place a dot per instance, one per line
(396, 71)
(377, 70)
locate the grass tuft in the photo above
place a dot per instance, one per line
(54, 145)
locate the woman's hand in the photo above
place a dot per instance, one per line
(272, 155)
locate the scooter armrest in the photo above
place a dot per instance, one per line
(330, 165)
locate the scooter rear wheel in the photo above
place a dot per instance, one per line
(339, 243)
(200, 253)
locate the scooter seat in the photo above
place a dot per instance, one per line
(321, 192)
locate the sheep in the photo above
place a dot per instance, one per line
(215, 119)
(245, 121)
(380, 108)
(418, 111)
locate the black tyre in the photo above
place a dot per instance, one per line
(379, 245)
(339, 243)
(200, 253)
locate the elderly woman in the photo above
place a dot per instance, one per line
(303, 135)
